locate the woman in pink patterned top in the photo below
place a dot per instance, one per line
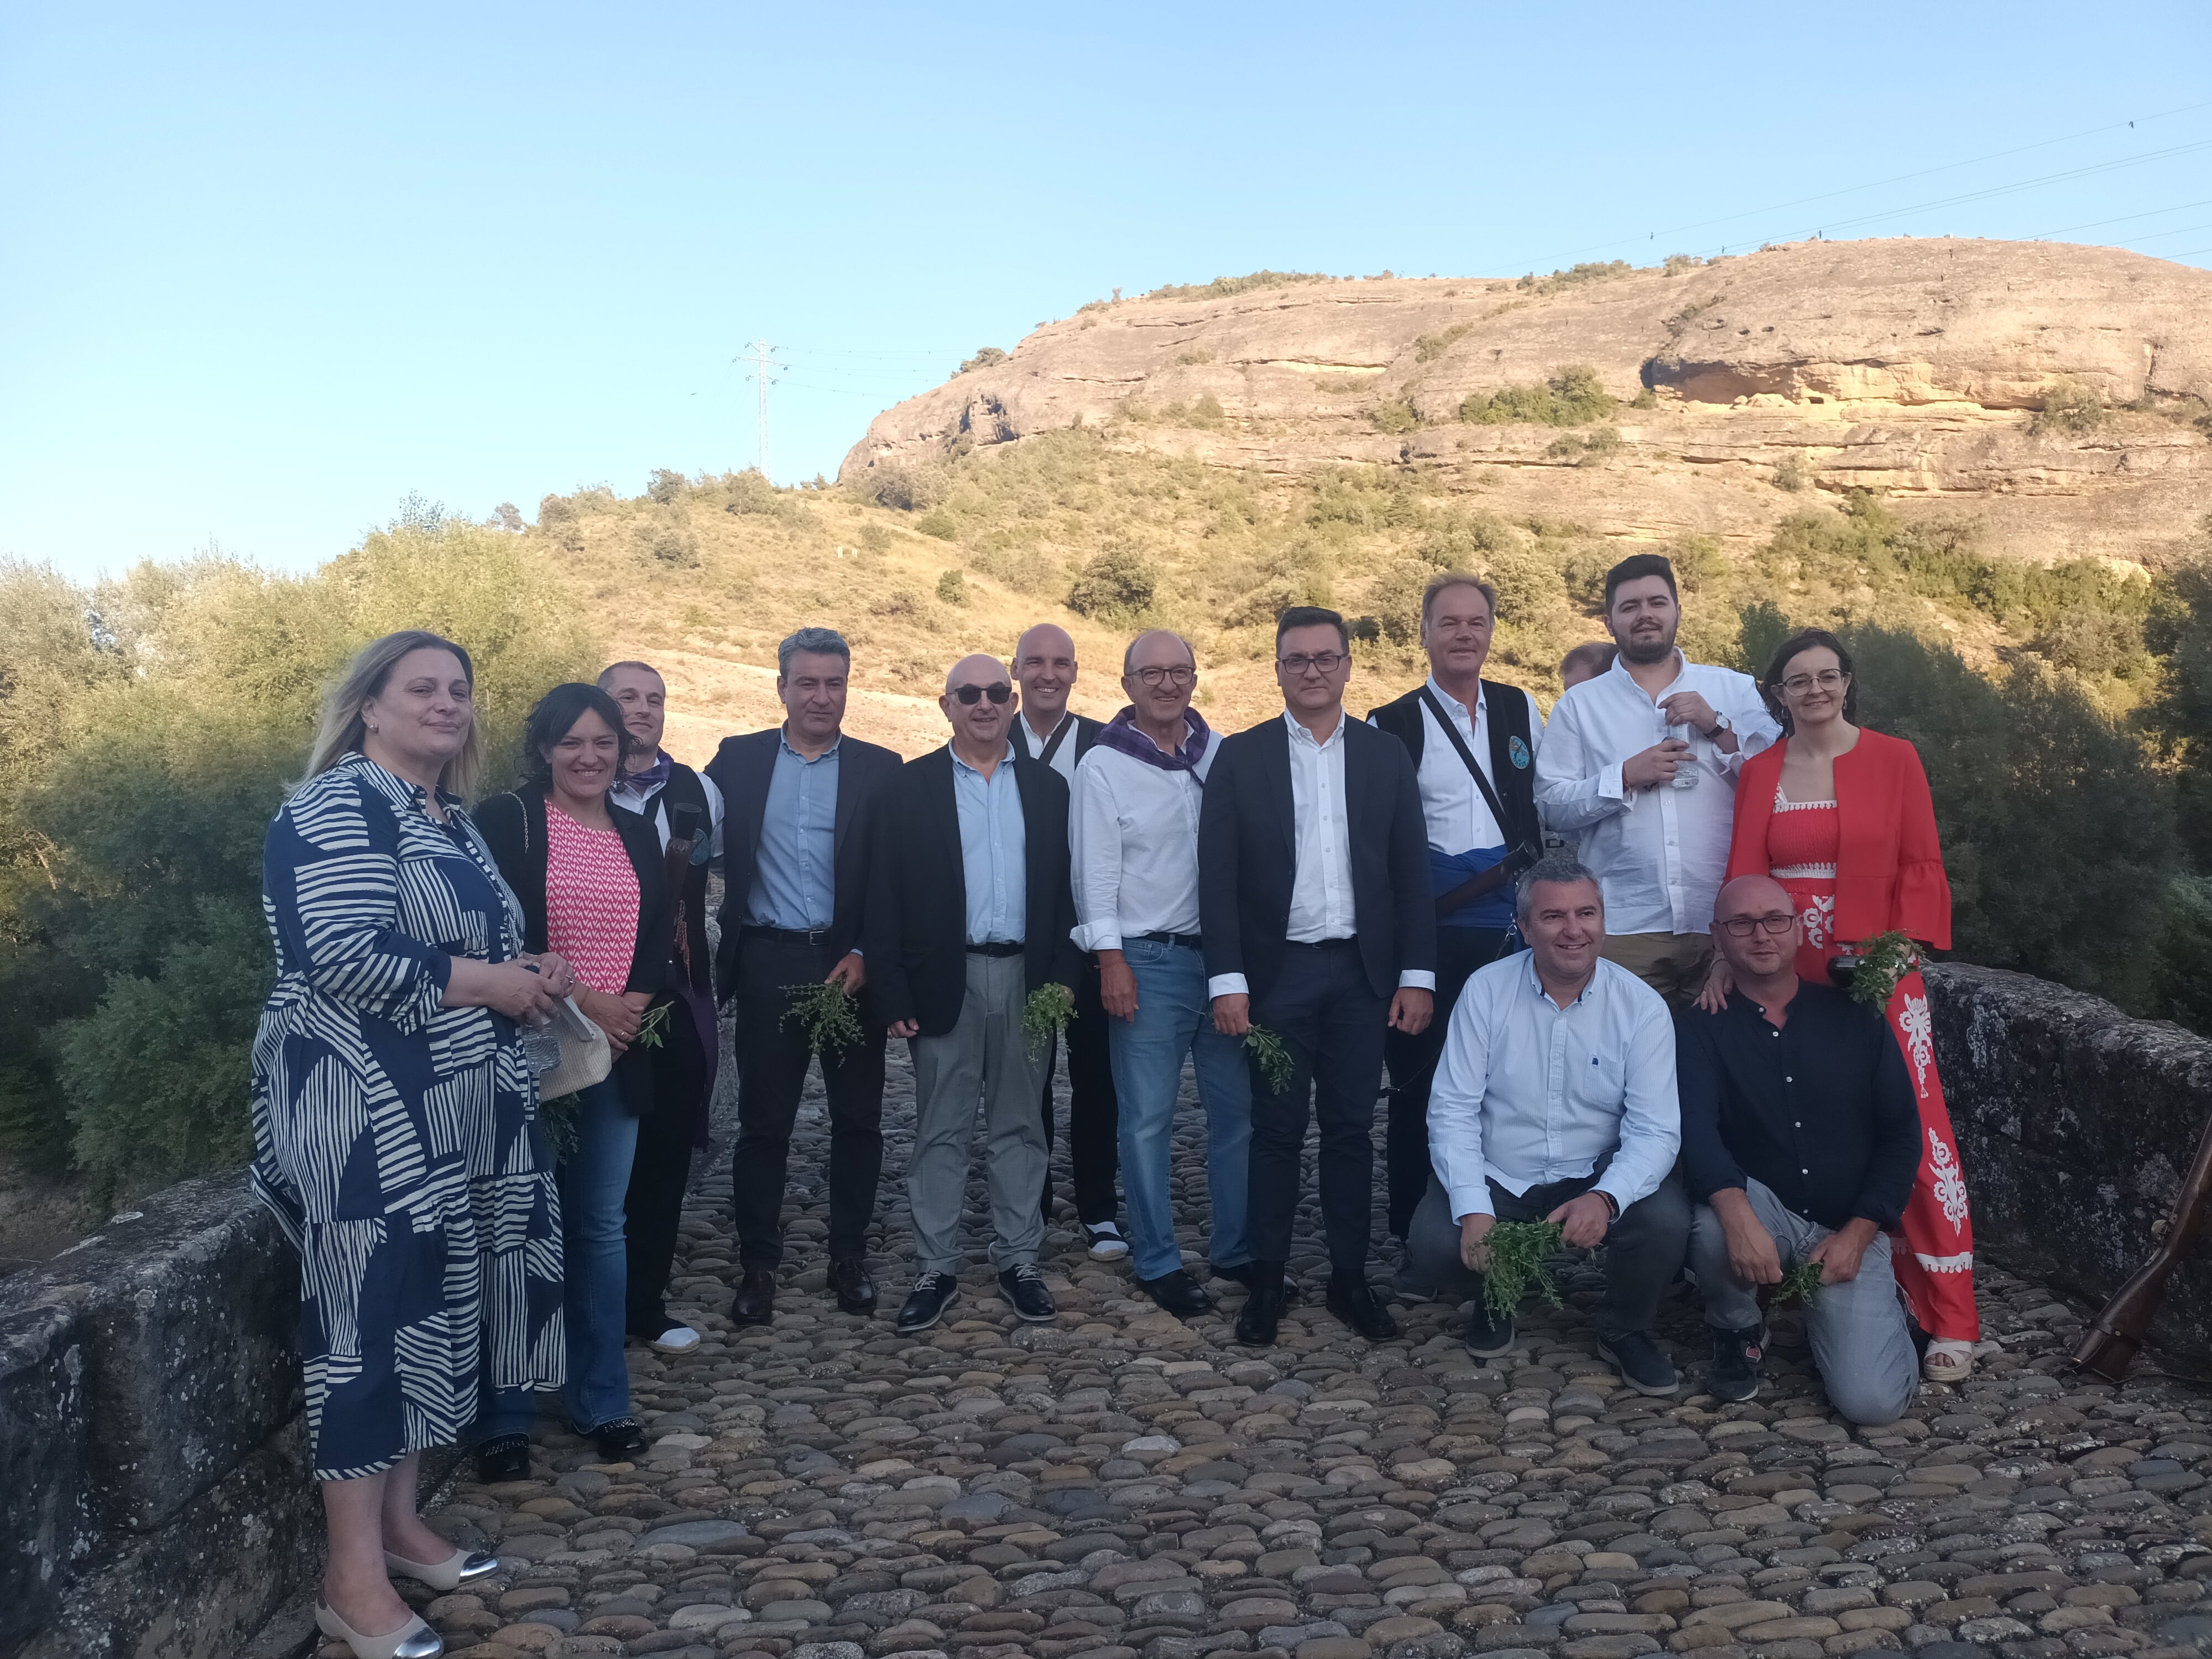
(590, 876)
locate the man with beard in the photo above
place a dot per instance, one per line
(1639, 765)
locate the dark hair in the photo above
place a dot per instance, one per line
(1635, 567)
(1310, 616)
(555, 715)
(1795, 646)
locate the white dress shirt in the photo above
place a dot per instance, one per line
(1135, 835)
(1063, 758)
(1459, 819)
(1528, 1092)
(1321, 880)
(1659, 854)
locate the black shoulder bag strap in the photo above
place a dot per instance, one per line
(1059, 737)
(1489, 881)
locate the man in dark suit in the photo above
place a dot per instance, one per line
(1048, 729)
(1314, 903)
(796, 838)
(969, 916)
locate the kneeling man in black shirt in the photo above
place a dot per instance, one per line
(1801, 1139)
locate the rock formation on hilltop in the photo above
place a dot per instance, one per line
(2058, 394)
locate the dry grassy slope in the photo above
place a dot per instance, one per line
(1903, 365)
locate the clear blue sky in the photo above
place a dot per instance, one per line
(268, 270)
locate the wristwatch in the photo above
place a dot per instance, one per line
(1721, 723)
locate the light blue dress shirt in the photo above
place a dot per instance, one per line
(794, 875)
(993, 851)
(1528, 1093)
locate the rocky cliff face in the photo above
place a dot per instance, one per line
(1916, 368)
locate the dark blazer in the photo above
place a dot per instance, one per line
(1247, 856)
(917, 920)
(514, 827)
(1085, 733)
(741, 769)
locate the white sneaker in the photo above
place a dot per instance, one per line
(677, 1339)
(1106, 1242)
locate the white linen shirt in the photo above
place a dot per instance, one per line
(1134, 831)
(1528, 1092)
(1659, 854)
(1459, 820)
(1321, 904)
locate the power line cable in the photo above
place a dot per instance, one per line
(2125, 218)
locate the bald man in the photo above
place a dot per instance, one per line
(1047, 730)
(969, 914)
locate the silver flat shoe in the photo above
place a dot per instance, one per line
(461, 1567)
(412, 1640)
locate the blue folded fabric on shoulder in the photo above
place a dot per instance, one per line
(1451, 870)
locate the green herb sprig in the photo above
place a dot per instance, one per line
(1276, 1066)
(652, 1030)
(825, 1013)
(1520, 1254)
(1883, 960)
(1046, 1014)
(560, 1117)
(1800, 1284)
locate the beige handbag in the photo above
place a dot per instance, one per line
(584, 1057)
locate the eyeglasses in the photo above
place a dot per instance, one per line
(1744, 927)
(1177, 677)
(1323, 662)
(1827, 679)
(969, 694)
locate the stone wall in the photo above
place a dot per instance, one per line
(2076, 1126)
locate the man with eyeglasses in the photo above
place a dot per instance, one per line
(1639, 768)
(969, 914)
(1801, 1139)
(1137, 806)
(1314, 906)
(1048, 730)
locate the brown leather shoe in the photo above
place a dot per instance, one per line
(755, 1303)
(855, 1291)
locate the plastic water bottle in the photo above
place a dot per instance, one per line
(1685, 774)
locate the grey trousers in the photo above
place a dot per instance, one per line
(1642, 1250)
(983, 1056)
(1860, 1345)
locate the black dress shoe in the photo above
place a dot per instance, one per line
(503, 1457)
(618, 1439)
(1177, 1292)
(1023, 1286)
(1256, 1325)
(1243, 1274)
(849, 1282)
(1355, 1303)
(933, 1294)
(755, 1303)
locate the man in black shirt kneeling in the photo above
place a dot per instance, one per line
(1800, 1139)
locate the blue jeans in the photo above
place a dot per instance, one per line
(594, 1184)
(1175, 1018)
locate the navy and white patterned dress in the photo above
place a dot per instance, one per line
(397, 1141)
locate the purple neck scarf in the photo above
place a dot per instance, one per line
(1121, 735)
(655, 776)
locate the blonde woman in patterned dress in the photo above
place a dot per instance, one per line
(395, 1122)
(1841, 816)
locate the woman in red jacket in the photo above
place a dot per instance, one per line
(1841, 816)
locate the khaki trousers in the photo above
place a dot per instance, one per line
(1673, 965)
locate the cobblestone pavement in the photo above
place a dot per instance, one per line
(1121, 1484)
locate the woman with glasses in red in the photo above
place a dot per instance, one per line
(1841, 816)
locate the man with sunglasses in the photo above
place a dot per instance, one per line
(1315, 905)
(1801, 1139)
(969, 914)
(1137, 799)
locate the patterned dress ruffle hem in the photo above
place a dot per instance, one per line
(397, 1142)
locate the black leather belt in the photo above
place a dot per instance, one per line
(998, 948)
(1320, 944)
(787, 935)
(1189, 941)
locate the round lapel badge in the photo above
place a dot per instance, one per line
(1519, 751)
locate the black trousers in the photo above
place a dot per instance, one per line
(658, 1176)
(1413, 1063)
(1094, 1114)
(772, 1061)
(1331, 1024)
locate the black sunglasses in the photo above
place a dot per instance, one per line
(969, 694)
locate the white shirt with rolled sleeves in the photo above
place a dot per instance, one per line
(1528, 1092)
(1658, 854)
(1321, 904)
(1134, 829)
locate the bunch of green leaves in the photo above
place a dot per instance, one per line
(1520, 1254)
(559, 1118)
(652, 1030)
(824, 1012)
(1276, 1066)
(1800, 1284)
(1046, 1014)
(1883, 960)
